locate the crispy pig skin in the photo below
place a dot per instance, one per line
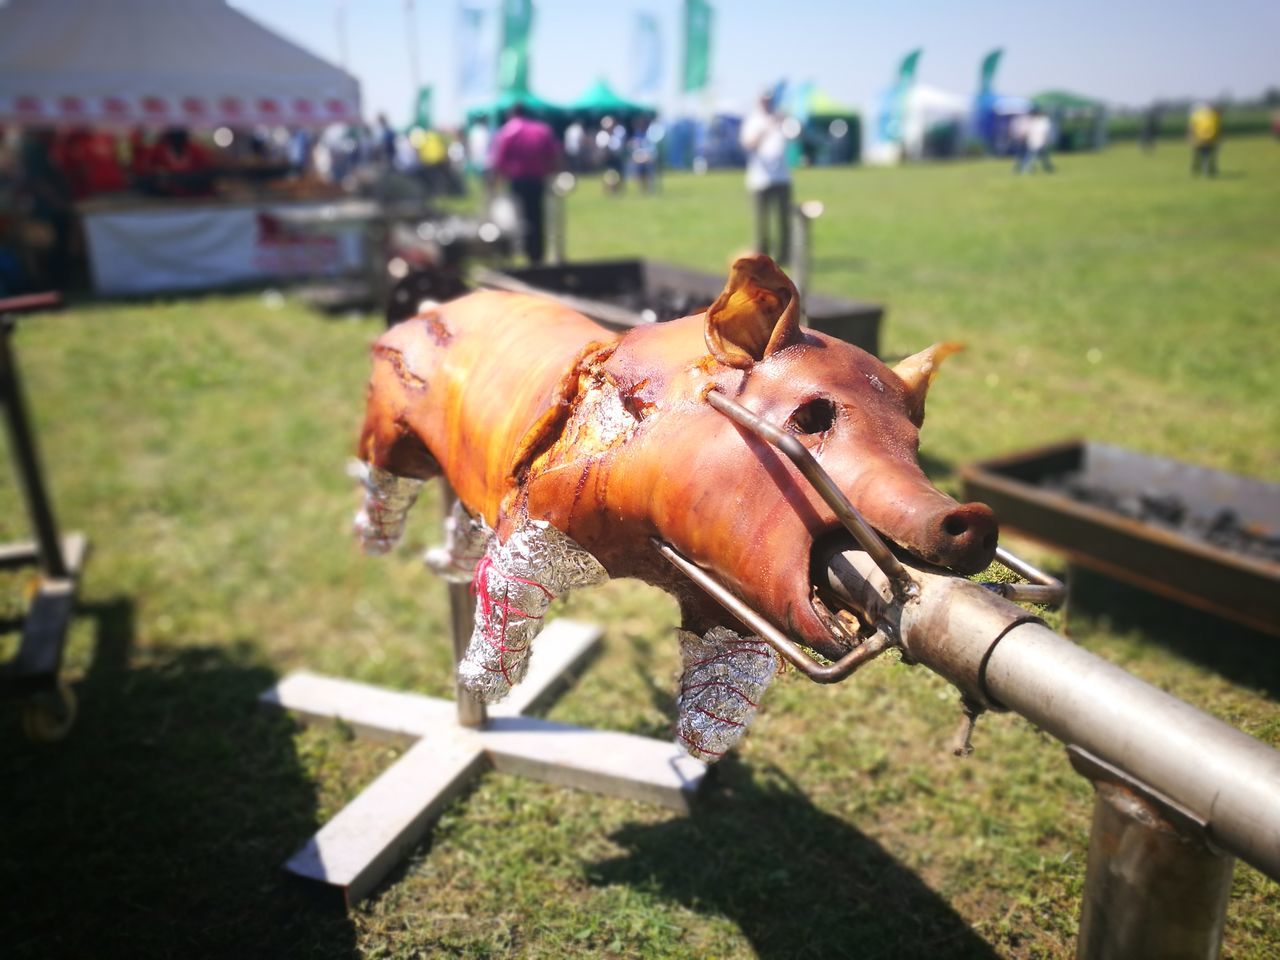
(527, 406)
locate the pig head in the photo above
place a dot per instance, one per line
(641, 453)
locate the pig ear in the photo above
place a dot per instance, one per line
(916, 373)
(757, 314)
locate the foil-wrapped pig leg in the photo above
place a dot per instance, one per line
(379, 523)
(514, 585)
(466, 540)
(724, 677)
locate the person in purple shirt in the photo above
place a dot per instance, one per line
(525, 153)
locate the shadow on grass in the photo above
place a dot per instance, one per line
(157, 829)
(797, 881)
(1244, 656)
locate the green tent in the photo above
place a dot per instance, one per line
(496, 111)
(600, 101)
(1054, 100)
(1081, 122)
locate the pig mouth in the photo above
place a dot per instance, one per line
(845, 627)
(972, 525)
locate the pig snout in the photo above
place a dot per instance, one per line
(962, 537)
(900, 503)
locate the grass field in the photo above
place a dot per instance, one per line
(201, 444)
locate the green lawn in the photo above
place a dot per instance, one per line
(201, 444)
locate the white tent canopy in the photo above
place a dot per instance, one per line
(925, 107)
(191, 63)
(922, 106)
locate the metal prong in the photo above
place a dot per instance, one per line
(787, 648)
(1042, 589)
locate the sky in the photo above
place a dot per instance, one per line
(1127, 53)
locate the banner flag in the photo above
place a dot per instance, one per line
(907, 69)
(990, 63)
(422, 109)
(891, 124)
(646, 58)
(697, 45)
(477, 51)
(513, 61)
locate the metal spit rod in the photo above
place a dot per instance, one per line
(993, 651)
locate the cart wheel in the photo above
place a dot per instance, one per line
(48, 716)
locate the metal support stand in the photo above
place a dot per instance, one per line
(456, 742)
(802, 217)
(50, 707)
(562, 184)
(1154, 887)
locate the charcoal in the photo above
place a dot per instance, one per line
(1221, 527)
(1163, 507)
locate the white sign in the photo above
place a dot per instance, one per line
(197, 248)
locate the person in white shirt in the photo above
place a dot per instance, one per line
(768, 177)
(1038, 131)
(478, 143)
(573, 137)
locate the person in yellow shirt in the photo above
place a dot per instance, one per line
(1205, 129)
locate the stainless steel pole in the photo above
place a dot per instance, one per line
(1153, 887)
(462, 609)
(999, 655)
(1226, 778)
(802, 217)
(562, 184)
(800, 253)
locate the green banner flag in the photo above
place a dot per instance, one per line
(513, 60)
(990, 63)
(697, 45)
(907, 69)
(422, 109)
(892, 124)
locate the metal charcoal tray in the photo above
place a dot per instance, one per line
(617, 292)
(1029, 492)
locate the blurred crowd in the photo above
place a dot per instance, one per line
(46, 173)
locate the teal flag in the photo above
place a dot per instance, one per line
(907, 69)
(646, 58)
(422, 109)
(513, 60)
(476, 50)
(697, 45)
(891, 125)
(990, 63)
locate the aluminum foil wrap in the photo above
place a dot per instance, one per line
(466, 538)
(514, 584)
(387, 499)
(724, 677)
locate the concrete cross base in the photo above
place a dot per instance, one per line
(359, 846)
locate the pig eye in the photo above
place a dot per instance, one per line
(815, 416)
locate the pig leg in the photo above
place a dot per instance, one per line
(379, 523)
(724, 676)
(466, 541)
(514, 584)
(394, 462)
